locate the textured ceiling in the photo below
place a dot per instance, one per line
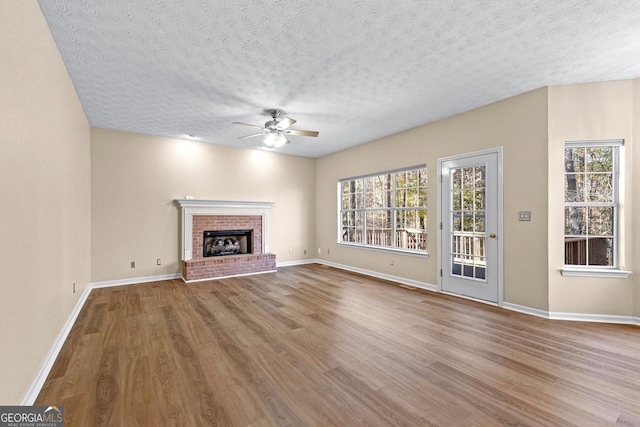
(353, 70)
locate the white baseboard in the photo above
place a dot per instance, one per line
(36, 385)
(598, 318)
(297, 262)
(134, 280)
(526, 310)
(578, 317)
(401, 280)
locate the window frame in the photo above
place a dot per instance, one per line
(367, 207)
(587, 269)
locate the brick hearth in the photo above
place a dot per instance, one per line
(224, 266)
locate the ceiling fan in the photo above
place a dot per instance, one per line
(276, 130)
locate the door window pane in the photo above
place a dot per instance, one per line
(468, 219)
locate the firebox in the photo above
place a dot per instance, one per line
(227, 242)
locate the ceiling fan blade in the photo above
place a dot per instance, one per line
(303, 132)
(285, 123)
(247, 124)
(252, 135)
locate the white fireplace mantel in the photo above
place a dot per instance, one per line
(191, 207)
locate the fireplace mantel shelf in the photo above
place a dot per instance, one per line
(198, 203)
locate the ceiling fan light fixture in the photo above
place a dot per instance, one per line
(275, 140)
(280, 141)
(270, 139)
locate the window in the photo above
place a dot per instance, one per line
(387, 210)
(591, 203)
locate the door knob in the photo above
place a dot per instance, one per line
(492, 235)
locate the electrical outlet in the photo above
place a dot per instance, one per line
(74, 288)
(159, 261)
(305, 251)
(524, 216)
(290, 250)
(390, 261)
(328, 251)
(133, 264)
(319, 250)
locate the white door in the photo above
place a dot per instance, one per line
(469, 248)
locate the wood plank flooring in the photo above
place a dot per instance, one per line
(316, 346)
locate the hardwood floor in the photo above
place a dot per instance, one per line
(316, 346)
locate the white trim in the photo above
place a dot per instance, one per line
(401, 280)
(227, 277)
(498, 150)
(134, 280)
(577, 317)
(612, 273)
(297, 262)
(191, 203)
(32, 392)
(598, 318)
(192, 207)
(595, 143)
(526, 310)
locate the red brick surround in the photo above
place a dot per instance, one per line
(201, 268)
(202, 223)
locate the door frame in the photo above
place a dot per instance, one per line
(500, 272)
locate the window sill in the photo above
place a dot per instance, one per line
(421, 254)
(612, 273)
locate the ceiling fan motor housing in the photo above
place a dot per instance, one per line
(271, 124)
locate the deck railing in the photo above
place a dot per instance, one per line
(469, 249)
(575, 251)
(406, 238)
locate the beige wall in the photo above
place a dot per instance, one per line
(136, 178)
(592, 112)
(519, 125)
(634, 153)
(45, 192)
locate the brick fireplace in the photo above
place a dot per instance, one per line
(201, 218)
